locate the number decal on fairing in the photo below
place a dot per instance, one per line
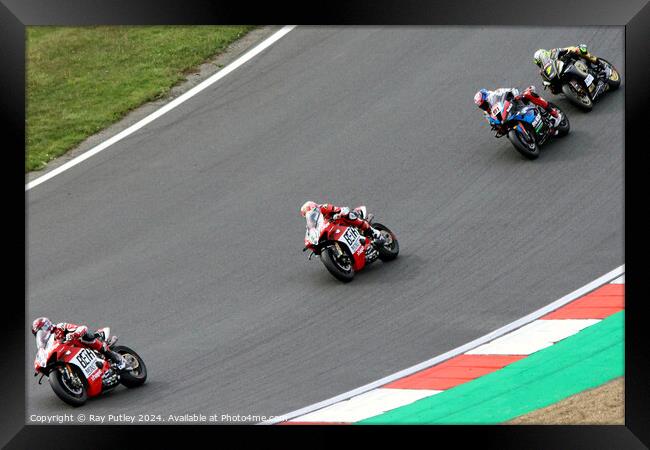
(496, 109)
(589, 79)
(351, 237)
(85, 359)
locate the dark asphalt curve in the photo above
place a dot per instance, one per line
(185, 237)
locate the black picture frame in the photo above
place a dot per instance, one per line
(15, 15)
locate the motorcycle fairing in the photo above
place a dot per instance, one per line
(84, 358)
(314, 227)
(350, 238)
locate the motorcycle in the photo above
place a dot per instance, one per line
(342, 249)
(77, 373)
(580, 81)
(527, 126)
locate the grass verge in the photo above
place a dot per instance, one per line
(82, 79)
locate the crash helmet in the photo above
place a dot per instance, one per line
(306, 207)
(42, 323)
(539, 54)
(583, 49)
(480, 98)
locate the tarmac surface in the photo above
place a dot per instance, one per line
(185, 237)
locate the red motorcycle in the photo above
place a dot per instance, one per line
(77, 373)
(342, 249)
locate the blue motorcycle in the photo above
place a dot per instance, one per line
(526, 125)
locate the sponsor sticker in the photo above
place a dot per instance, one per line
(352, 238)
(86, 360)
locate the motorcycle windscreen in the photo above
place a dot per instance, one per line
(549, 70)
(44, 340)
(496, 110)
(498, 100)
(314, 220)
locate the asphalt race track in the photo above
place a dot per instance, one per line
(186, 239)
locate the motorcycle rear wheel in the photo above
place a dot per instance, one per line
(338, 270)
(529, 150)
(583, 101)
(67, 393)
(137, 376)
(389, 251)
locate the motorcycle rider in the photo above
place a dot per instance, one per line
(78, 335)
(541, 56)
(484, 99)
(346, 216)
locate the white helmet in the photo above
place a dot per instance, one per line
(537, 57)
(306, 207)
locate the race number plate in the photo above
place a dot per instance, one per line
(86, 360)
(496, 109)
(352, 238)
(589, 79)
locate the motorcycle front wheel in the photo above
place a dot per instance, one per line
(525, 145)
(340, 267)
(66, 389)
(578, 98)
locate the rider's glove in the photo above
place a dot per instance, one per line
(342, 212)
(75, 335)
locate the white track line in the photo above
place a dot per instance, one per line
(457, 351)
(368, 404)
(533, 337)
(168, 107)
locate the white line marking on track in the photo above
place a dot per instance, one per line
(533, 337)
(368, 404)
(608, 277)
(619, 280)
(166, 108)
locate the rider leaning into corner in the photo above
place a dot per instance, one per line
(542, 56)
(77, 335)
(485, 98)
(344, 215)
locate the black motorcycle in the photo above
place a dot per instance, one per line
(581, 81)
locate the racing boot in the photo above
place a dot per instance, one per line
(120, 362)
(556, 116)
(376, 235)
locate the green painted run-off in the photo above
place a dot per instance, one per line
(585, 360)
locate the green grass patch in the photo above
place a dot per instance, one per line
(82, 79)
